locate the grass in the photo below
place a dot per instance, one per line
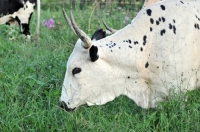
(31, 77)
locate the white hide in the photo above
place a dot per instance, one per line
(145, 70)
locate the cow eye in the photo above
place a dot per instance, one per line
(76, 70)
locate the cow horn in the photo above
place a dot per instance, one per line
(110, 29)
(67, 20)
(85, 39)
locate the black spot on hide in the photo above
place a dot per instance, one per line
(170, 26)
(149, 12)
(129, 41)
(182, 2)
(151, 29)
(197, 18)
(93, 53)
(157, 22)
(196, 26)
(163, 19)
(151, 20)
(135, 42)
(98, 34)
(145, 40)
(162, 7)
(162, 32)
(141, 49)
(174, 29)
(128, 77)
(146, 65)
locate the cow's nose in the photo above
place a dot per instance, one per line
(63, 105)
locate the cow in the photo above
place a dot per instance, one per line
(155, 55)
(18, 11)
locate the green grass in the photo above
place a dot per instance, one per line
(31, 77)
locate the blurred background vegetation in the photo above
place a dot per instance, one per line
(99, 4)
(90, 13)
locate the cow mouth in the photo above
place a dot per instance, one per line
(64, 106)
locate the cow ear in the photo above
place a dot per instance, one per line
(94, 53)
(99, 34)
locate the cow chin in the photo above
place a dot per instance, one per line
(101, 100)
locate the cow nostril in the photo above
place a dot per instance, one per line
(63, 105)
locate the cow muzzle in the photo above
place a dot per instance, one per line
(63, 105)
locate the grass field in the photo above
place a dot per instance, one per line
(31, 77)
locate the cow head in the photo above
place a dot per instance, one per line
(86, 72)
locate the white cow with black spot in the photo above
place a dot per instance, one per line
(156, 54)
(19, 12)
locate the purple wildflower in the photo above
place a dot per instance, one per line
(44, 23)
(50, 23)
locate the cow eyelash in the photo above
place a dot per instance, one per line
(76, 70)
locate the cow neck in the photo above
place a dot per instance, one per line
(123, 52)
